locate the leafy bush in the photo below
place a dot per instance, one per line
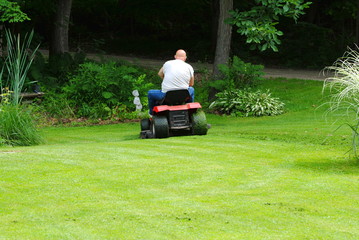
(99, 89)
(56, 105)
(17, 127)
(246, 103)
(202, 87)
(55, 73)
(238, 75)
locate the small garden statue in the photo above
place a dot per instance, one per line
(137, 100)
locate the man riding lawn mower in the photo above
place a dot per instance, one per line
(173, 108)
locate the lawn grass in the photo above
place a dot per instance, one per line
(284, 177)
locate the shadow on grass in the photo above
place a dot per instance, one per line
(338, 166)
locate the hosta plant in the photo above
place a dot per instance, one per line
(247, 103)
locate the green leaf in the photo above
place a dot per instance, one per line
(107, 95)
(285, 8)
(274, 48)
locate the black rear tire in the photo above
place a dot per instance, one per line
(199, 123)
(160, 127)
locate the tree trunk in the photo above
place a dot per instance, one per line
(215, 16)
(224, 34)
(1, 41)
(311, 16)
(60, 37)
(357, 26)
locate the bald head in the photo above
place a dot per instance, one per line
(181, 55)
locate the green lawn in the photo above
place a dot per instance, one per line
(284, 177)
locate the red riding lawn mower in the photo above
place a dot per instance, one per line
(175, 117)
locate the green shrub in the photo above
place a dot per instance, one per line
(98, 89)
(245, 103)
(56, 72)
(17, 127)
(238, 75)
(56, 105)
(202, 87)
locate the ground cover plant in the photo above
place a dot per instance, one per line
(281, 177)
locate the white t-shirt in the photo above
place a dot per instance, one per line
(177, 75)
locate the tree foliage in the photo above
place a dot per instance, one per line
(157, 28)
(259, 23)
(11, 12)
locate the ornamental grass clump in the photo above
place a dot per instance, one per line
(18, 62)
(16, 125)
(344, 91)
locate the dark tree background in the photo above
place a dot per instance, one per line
(157, 28)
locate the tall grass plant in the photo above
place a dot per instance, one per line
(344, 91)
(18, 62)
(16, 125)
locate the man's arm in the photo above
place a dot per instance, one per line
(160, 73)
(191, 81)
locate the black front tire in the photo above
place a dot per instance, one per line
(160, 127)
(145, 124)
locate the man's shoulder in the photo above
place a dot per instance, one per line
(173, 61)
(178, 63)
(169, 62)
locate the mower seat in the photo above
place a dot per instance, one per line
(176, 97)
